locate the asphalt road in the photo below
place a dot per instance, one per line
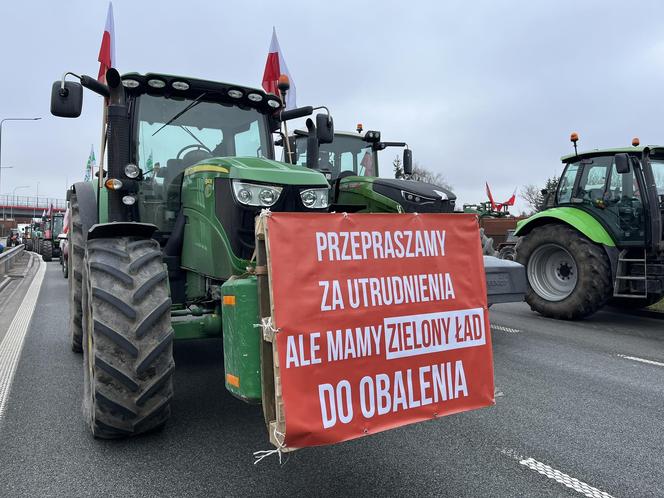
(567, 405)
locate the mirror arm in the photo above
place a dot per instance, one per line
(63, 91)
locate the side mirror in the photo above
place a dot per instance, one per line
(324, 128)
(622, 163)
(67, 101)
(298, 112)
(312, 145)
(407, 162)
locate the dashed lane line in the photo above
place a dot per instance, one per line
(642, 360)
(502, 328)
(12, 343)
(564, 479)
(556, 475)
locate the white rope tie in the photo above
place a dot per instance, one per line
(260, 455)
(269, 330)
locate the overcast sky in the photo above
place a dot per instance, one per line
(480, 90)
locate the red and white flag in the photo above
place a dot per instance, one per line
(274, 67)
(498, 206)
(107, 50)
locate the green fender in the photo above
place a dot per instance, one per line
(574, 217)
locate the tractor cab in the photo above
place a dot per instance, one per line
(623, 189)
(351, 163)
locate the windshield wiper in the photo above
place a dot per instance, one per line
(193, 136)
(194, 103)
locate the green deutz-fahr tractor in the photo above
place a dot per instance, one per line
(600, 238)
(168, 232)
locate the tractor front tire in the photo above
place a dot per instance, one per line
(76, 254)
(128, 346)
(569, 276)
(46, 250)
(28, 245)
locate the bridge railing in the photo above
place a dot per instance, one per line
(40, 203)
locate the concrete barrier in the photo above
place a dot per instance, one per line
(7, 258)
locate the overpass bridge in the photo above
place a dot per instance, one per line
(15, 209)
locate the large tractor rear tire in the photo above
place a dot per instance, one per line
(46, 250)
(569, 276)
(128, 345)
(76, 253)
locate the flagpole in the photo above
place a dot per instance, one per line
(103, 145)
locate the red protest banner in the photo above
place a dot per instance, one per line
(382, 321)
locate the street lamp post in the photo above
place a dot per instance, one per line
(2, 121)
(14, 199)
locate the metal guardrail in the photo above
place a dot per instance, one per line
(7, 258)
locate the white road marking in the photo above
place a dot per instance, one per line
(505, 329)
(12, 343)
(642, 360)
(564, 479)
(556, 475)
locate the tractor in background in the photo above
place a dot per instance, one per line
(350, 162)
(45, 240)
(599, 240)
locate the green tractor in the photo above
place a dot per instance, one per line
(599, 240)
(165, 238)
(350, 162)
(34, 234)
(45, 241)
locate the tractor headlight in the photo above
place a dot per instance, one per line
(315, 198)
(132, 171)
(411, 197)
(251, 194)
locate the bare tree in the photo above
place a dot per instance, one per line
(422, 174)
(533, 195)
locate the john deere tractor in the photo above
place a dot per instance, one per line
(168, 231)
(599, 240)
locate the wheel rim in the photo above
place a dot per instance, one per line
(552, 272)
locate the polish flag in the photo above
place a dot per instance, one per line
(498, 206)
(107, 50)
(275, 66)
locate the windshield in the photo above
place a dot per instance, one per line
(658, 172)
(57, 225)
(344, 154)
(205, 130)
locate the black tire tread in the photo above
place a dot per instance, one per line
(75, 260)
(132, 342)
(47, 250)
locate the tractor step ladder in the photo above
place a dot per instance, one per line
(623, 278)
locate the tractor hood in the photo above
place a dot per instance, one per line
(416, 196)
(260, 170)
